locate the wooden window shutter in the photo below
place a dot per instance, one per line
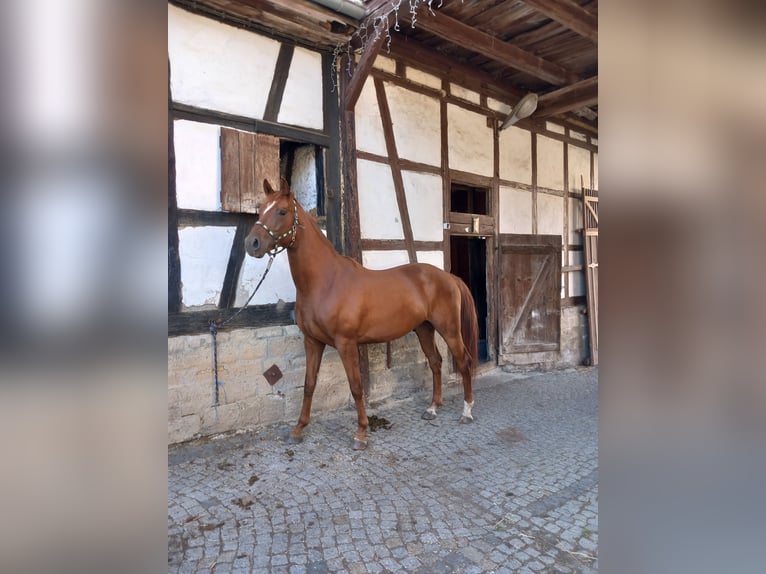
(246, 159)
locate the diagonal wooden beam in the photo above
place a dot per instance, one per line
(568, 14)
(572, 97)
(362, 70)
(480, 42)
(278, 82)
(396, 169)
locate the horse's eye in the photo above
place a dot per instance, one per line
(282, 212)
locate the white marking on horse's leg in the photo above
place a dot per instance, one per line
(467, 410)
(430, 413)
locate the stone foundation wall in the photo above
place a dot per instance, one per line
(247, 401)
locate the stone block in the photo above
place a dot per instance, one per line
(268, 332)
(285, 347)
(183, 428)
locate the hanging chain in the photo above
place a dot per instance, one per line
(214, 326)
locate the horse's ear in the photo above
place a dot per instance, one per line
(284, 186)
(267, 189)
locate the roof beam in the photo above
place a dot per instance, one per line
(568, 14)
(480, 42)
(362, 70)
(575, 96)
(422, 57)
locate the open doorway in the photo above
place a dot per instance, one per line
(468, 260)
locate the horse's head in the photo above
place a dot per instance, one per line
(277, 224)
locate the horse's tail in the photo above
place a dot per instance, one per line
(469, 325)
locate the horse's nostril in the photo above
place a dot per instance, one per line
(256, 243)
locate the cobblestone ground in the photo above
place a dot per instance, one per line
(517, 491)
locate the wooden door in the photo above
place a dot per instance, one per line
(529, 269)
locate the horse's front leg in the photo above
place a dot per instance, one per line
(349, 354)
(314, 350)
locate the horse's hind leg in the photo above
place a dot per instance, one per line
(458, 350)
(425, 333)
(349, 354)
(314, 350)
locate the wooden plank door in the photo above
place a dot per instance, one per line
(529, 269)
(590, 239)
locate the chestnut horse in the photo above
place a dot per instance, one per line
(340, 303)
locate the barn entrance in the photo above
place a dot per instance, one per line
(468, 260)
(471, 244)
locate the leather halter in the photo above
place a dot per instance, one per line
(277, 249)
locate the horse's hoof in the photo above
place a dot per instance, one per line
(292, 439)
(466, 420)
(428, 415)
(359, 444)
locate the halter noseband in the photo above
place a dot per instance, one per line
(277, 249)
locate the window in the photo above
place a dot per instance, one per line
(469, 199)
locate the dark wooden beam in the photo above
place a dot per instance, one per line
(254, 316)
(568, 14)
(575, 96)
(333, 198)
(406, 165)
(399, 245)
(174, 260)
(429, 60)
(396, 170)
(480, 42)
(362, 70)
(199, 218)
(233, 268)
(278, 82)
(352, 225)
(196, 114)
(294, 23)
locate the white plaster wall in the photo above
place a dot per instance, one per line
(378, 210)
(198, 165)
(303, 179)
(385, 64)
(515, 210)
(217, 66)
(563, 286)
(423, 78)
(498, 106)
(576, 257)
(555, 128)
(424, 203)
(595, 171)
(384, 259)
(435, 258)
(416, 123)
(278, 285)
(204, 254)
(579, 164)
(577, 136)
(302, 100)
(516, 155)
(471, 143)
(550, 214)
(576, 284)
(464, 94)
(550, 163)
(369, 129)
